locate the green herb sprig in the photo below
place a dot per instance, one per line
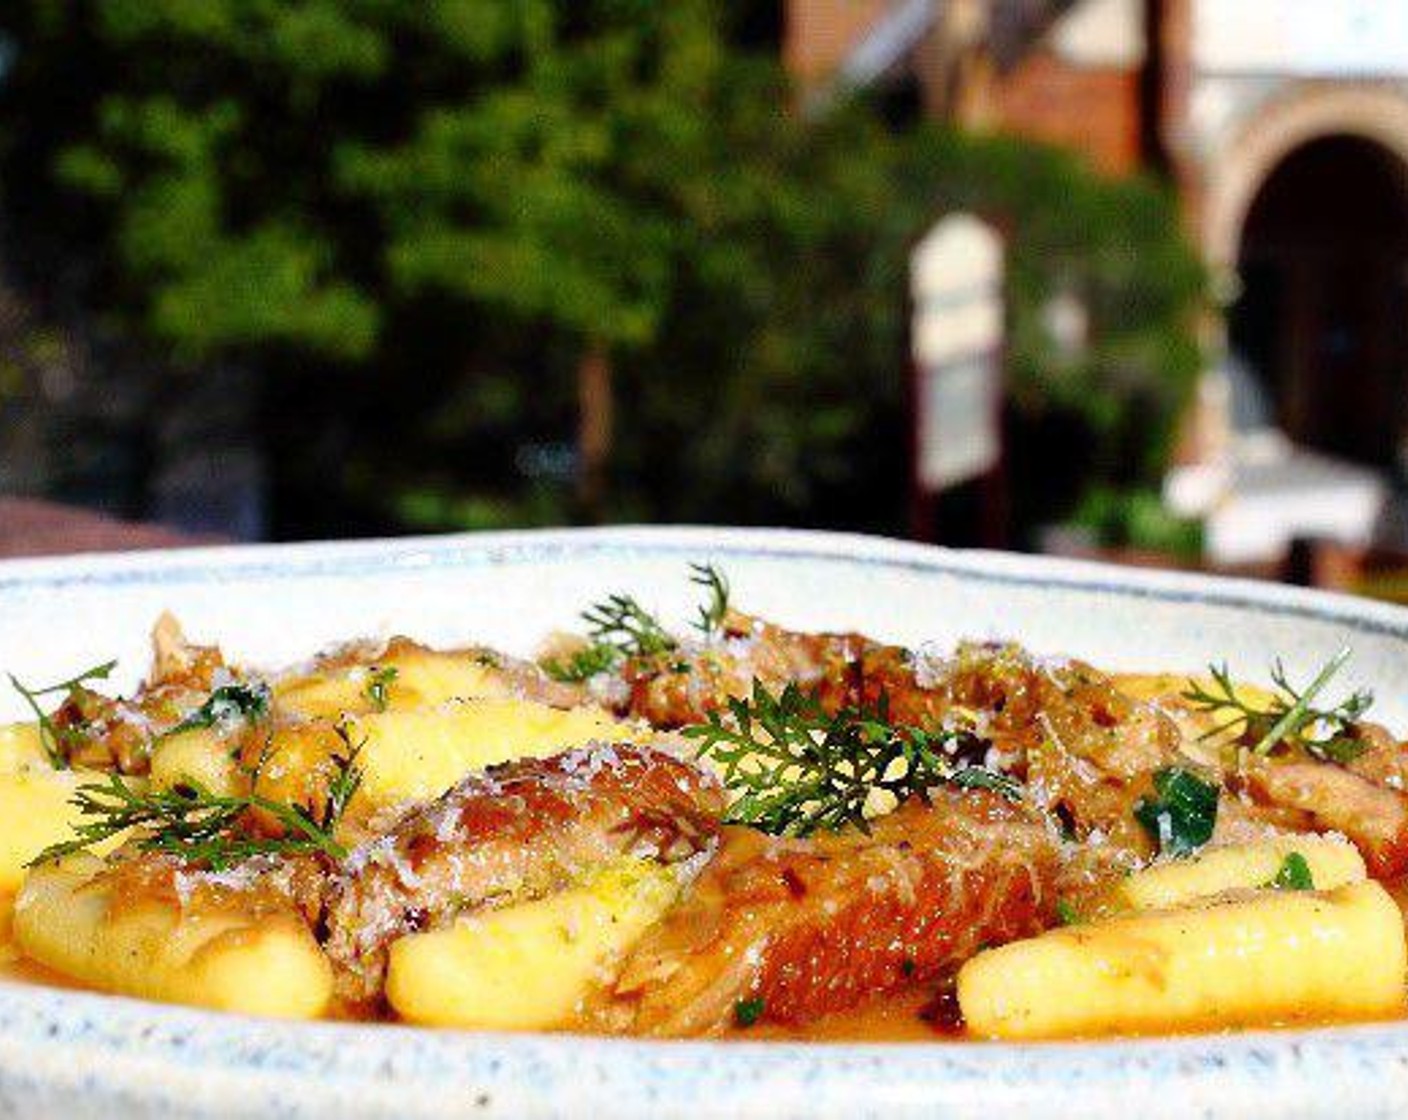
(56, 740)
(798, 768)
(208, 829)
(623, 624)
(1067, 913)
(582, 664)
(715, 609)
(1290, 717)
(620, 628)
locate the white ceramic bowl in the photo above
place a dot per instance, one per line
(75, 1054)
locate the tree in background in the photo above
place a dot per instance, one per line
(498, 263)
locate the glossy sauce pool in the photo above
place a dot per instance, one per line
(900, 1017)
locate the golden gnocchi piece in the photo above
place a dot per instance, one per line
(1331, 861)
(1253, 958)
(36, 811)
(201, 755)
(21, 747)
(421, 753)
(403, 676)
(256, 962)
(527, 967)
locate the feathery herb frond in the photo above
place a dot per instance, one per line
(624, 625)
(582, 664)
(712, 613)
(798, 768)
(208, 829)
(1328, 734)
(57, 740)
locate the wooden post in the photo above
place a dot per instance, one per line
(595, 418)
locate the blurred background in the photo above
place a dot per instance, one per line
(1119, 278)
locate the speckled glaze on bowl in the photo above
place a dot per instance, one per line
(77, 1055)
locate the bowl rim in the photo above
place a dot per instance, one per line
(204, 564)
(158, 1057)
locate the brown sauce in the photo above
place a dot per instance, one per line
(898, 1017)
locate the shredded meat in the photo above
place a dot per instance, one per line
(517, 831)
(682, 686)
(817, 925)
(100, 732)
(264, 884)
(1331, 797)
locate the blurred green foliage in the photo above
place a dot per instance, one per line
(1138, 519)
(410, 219)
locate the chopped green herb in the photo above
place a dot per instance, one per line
(1290, 717)
(378, 682)
(909, 966)
(1181, 814)
(57, 741)
(1293, 875)
(798, 768)
(583, 664)
(204, 828)
(1067, 912)
(746, 1012)
(711, 614)
(980, 777)
(226, 704)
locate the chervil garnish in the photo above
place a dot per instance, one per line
(798, 768)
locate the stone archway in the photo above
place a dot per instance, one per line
(1318, 334)
(1239, 166)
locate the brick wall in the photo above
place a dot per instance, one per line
(820, 33)
(1095, 111)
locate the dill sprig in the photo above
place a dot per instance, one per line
(1328, 734)
(798, 768)
(713, 612)
(209, 829)
(58, 741)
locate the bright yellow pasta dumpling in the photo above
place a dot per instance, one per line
(1330, 861)
(529, 966)
(21, 747)
(422, 753)
(1238, 960)
(259, 962)
(35, 812)
(200, 756)
(425, 752)
(402, 676)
